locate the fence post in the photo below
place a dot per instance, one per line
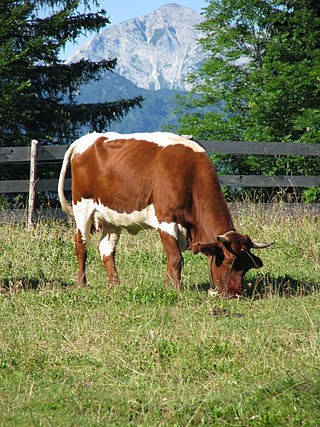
(32, 182)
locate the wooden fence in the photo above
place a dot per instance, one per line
(54, 154)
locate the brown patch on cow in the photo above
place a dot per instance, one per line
(115, 174)
(110, 266)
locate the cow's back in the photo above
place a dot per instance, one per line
(130, 174)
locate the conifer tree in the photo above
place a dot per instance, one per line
(37, 89)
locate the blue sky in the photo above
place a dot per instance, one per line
(122, 10)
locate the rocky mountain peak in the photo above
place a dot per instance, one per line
(155, 51)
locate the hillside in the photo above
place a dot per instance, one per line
(156, 111)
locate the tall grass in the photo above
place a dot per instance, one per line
(137, 354)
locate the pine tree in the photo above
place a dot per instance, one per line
(37, 89)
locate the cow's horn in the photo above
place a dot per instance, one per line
(261, 245)
(224, 238)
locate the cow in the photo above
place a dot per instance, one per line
(154, 180)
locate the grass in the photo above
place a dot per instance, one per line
(141, 355)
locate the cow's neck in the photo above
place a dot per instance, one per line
(211, 216)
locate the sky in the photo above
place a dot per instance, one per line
(122, 10)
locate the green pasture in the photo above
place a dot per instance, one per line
(139, 355)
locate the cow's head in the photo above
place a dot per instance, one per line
(230, 258)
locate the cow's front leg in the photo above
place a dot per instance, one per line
(81, 253)
(175, 259)
(107, 247)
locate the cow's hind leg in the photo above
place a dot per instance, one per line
(107, 247)
(81, 253)
(83, 219)
(175, 259)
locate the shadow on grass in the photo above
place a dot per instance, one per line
(264, 286)
(201, 287)
(284, 286)
(14, 284)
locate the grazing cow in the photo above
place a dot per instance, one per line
(154, 180)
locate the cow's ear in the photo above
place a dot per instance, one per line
(256, 262)
(205, 248)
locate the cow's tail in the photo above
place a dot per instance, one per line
(64, 203)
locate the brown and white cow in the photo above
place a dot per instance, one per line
(154, 180)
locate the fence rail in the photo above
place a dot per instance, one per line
(54, 154)
(262, 148)
(20, 155)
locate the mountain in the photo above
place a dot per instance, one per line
(155, 53)
(156, 111)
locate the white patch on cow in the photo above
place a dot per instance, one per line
(177, 231)
(108, 244)
(83, 214)
(87, 211)
(163, 139)
(85, 142)
(170, 228)
(133, 221)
